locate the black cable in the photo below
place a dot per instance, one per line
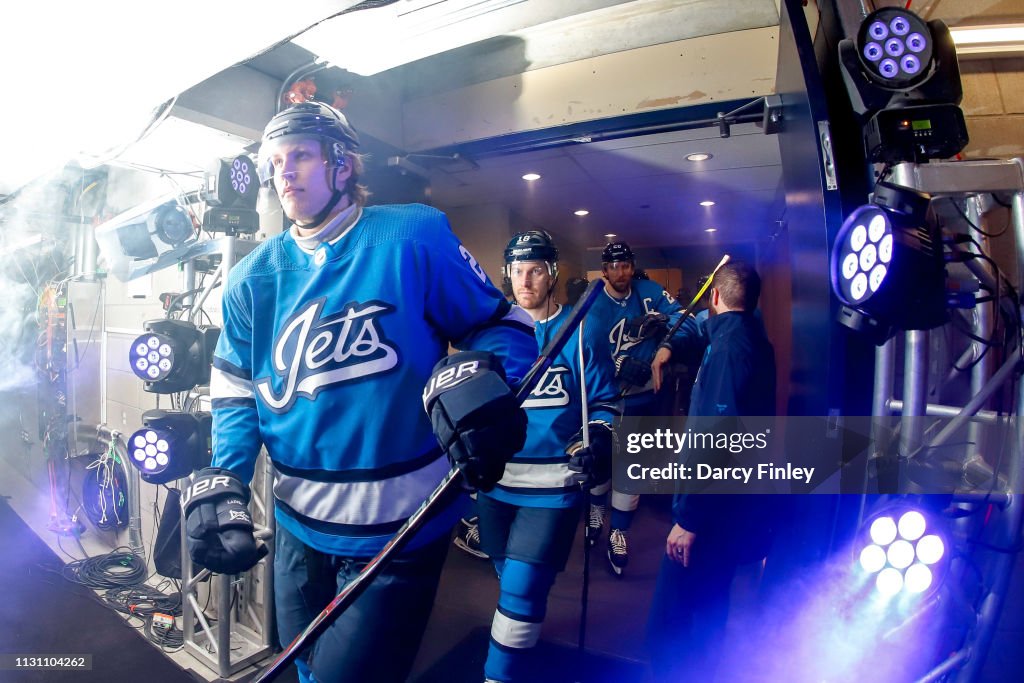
(112, 570)
(971, 223)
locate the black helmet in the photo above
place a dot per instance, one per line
(310, 119)
(532, 245)
(616, 251)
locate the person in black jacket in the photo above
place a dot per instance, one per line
(713, 534)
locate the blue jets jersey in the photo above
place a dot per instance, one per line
(539, 476)
(323, 358)
(612, 315)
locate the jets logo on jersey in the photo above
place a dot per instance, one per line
(473, 264)
(551, 391)
(617, 338)
(312, 353)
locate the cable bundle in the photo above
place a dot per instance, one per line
(112, 570)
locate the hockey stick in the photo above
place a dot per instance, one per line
(585, 593)
(434, 502)
(693, 302)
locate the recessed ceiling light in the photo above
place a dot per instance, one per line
(531, 176)
(581, 212)
(610, 236)
(698, 156)
(710, 229)
(707, 202)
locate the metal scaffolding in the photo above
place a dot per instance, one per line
(981, 485)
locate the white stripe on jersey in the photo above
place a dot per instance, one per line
(361, 502)
(223, 385)
(512, 633)
(526, 475)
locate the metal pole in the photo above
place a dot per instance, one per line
(915, 390)
(984, 327)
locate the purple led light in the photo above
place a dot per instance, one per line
(878, 30)
(900, 26)
(888, 68)
(916, 42)
(873, 52)
(910, 64)
(894, 47)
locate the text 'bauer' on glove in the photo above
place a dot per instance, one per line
(592, 465)
(475, 416)
(218, 523)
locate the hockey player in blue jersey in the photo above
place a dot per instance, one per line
(634, 315)
(528, 521)
(331, 331)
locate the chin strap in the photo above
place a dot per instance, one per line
(319, 218)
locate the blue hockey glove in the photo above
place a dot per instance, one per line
(218, 523)
(475, 416)
(592, 465)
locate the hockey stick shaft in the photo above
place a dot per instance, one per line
(437, 500)
(585, 414)
(693, 302)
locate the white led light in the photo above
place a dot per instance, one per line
(876, 228)
(930, 549)
(911, 525)
(139, 441)
(849, 266)
(885, 249)
(141, 364)
(161, 445)
(153, 342)
(918, 578)
(531, 176)
(162, 459)
(164, 364)
(139, 454)
(900, 554)
(868, 256)
(876, 277)
(153, 357)
(858, 237)
(165, 350)
(153, 372)
(883, 531)
(150, 464)
(872, 558)
(150, 449)
(859, 286)
(151, 436)
(889, 581)
(141, 349)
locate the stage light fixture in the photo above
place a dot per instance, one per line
(173, 355)
(903, 548)
(170, 445)
(887, 265)
(903, 79)
(231, 189)
(149, 237)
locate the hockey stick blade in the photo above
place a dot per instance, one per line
(440, 497)
(696, 299)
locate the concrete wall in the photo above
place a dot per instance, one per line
(994, 106)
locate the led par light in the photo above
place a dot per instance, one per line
(231, 190)
(887, 265)
(905, 551)
(173, 355)
(170, 445)
(149, 237)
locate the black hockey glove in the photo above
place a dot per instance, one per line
(632, 372)
(475, 416)
(645, 326)
(592, 465)
(218, 523)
